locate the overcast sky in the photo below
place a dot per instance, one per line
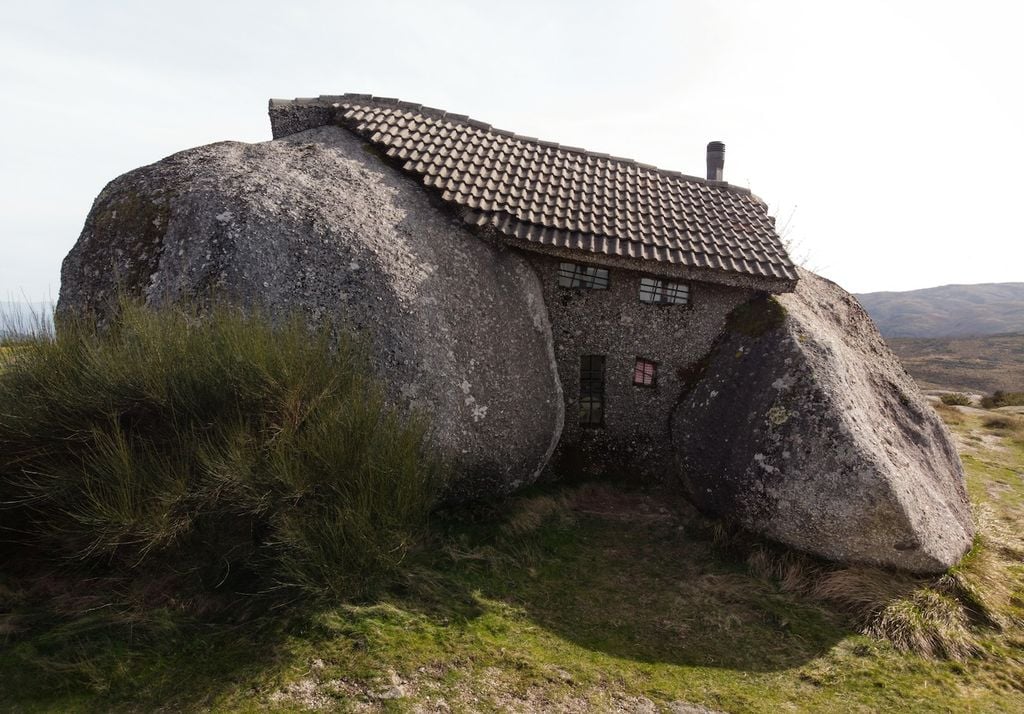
(885, 136)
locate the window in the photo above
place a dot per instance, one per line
(662, 292)
(644, 372)
(571, 275)
(591, 390)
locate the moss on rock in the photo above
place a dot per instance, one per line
(756, 317)
(131, 226)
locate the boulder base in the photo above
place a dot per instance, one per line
(804, 427)
(317, 223)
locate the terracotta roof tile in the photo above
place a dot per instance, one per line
(542, 193)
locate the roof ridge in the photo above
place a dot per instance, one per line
(337, 99)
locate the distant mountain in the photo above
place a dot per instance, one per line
(22, 318)
(948, 311)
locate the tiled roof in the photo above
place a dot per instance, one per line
(541, 194)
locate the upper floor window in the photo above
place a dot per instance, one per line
(572, 275)
(663, 292)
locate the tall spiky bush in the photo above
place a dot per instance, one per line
(221, 443)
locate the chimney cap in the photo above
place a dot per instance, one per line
(716, 146)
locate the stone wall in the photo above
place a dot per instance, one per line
(635, 436)
(290, 117)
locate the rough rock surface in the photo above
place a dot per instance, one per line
(804, 427)
(316, 222)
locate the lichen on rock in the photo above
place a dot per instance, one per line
(314, 224)
(818, 438)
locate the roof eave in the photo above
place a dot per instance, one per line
(650, 267)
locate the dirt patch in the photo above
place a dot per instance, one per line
(318, 692)
(609, 502)
(976, 442)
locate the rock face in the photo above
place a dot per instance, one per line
(804, 427)
(317, 223)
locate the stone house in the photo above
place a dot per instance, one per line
(542, 303)
(639, 266)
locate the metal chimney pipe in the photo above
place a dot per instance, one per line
(716, 160)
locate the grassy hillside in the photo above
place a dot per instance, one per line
(972, 364)
(948, 311)
(593, 596)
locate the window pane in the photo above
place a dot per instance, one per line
(677, 293)
(566, 275)
(571, 275)
(591, 390)
(652, 290)
(599, 278)
(647, 288)
(660, 292)
(591, 411)
(643, 372)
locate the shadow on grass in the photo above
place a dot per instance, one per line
(596, 566)
(615, 572)
(79, 644)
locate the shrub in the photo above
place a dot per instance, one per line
(956, 399)
(948, 413)
(1003, 399)
(231, 449)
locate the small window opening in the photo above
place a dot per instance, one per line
(571, 275)
(645, 372)
(591, 390)
(663, 292)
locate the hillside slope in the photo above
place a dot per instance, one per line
(966, 364)
(948, 310)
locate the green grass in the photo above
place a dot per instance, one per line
(578, 597)
(584, 597)
(237, 455)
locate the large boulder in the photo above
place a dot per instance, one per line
(317, 223)
(805, 428)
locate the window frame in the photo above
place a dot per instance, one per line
(582, 276)
(644, 362)
(665, 288)
(592, 390)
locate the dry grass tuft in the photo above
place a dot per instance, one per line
(861, 590)
(928, 623)
(949, 414)
(532, 513)
(1003, 424)
(793, 571)
(941, 617)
